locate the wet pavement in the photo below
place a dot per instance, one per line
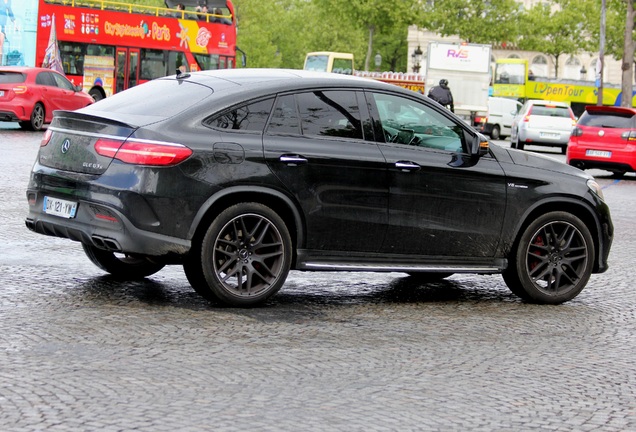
(331, 351)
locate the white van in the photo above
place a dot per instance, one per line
(501, 112)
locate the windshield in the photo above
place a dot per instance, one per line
(317, 63)
(510, 73)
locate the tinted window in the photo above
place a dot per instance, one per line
(551, 111)
(252, 117)
(285, 116)
(11, 77)
(168, 97)
(405, 121)
(330, 113)
(607, 120)
(45, 79)
(62, 82)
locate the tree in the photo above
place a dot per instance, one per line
(376, 16)
(489, 22)
(556, 28)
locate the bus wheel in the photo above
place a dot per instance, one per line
(96, 94)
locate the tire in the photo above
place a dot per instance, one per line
(520, 144)
(496, 132)
(618, 174)
(122, 266)
(426, 277)
(193, 269)
(552, 260)
(36, 121)
(96, 94)
(564, 149)
(245, 255)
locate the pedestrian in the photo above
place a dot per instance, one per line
(442, 95)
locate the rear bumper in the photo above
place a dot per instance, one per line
(103, 227)
(541, 137)
(620, 160)
(9, 116)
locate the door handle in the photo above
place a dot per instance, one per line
(407, 166)
(293, 160)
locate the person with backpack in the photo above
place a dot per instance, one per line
(442, 95)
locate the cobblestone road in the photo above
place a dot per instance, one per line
(332, 351)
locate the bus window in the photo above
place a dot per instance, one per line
(209, 61)
(342, 66)
(154, 64)
(510, 73)
(317, 63)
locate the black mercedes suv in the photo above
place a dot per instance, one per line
(243, 175)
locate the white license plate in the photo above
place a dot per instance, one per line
(598, 153)
(549, 135)
(59, 207)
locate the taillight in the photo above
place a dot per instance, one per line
(577, 132)
(20, 89)
(527, 117)
(629, 135)
(46, 138)
(143, 153)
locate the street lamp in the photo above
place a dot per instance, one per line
(417, 59)
(378, 61)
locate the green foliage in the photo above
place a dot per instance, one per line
(558, 27)
(493, 22)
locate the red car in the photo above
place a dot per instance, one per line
(30, 95)
(604, 138)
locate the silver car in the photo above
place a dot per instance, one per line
(541, 122)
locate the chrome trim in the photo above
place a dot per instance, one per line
(401, 268)
(114, 137)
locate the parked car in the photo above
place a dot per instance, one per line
(241, 175)
(544, 123)
(498, 120)
(29, 95)
(604, 138)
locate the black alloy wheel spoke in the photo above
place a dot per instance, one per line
(556, 257)
(248, 254)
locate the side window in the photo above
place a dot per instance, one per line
(285, 117)
(62, 82)
(251, 117)
(330, 113)
(405, 121)
(45, 79)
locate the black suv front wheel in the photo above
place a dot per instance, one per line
(553, 259)
(246, 255)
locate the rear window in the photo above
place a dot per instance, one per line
(11, 77)
(158, 98)
(607, 120)
(550, 111)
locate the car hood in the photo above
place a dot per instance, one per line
(524, 158)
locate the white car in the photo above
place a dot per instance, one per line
(545, 123)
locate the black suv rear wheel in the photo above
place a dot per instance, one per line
(245, 255)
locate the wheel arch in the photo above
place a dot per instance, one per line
(569, 205)
(276, 200)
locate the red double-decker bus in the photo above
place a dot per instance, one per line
(109, 46)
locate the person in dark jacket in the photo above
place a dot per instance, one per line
(442, 95)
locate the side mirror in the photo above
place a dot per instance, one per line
(479, 145)
(78, 88)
